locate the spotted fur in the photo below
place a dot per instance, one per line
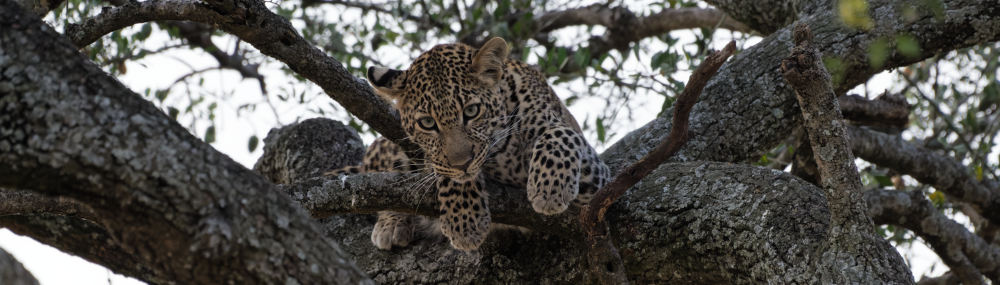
(477, 114)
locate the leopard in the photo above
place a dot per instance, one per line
(479, 115)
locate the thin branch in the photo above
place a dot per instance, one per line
(423, 22)
(949, 121)
(592, 216)
(625, 28)
(200, 35)
(657, 23)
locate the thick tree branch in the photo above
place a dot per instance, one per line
(968, 256)
(824, 126)
(189, 212)
(252, 22)
(661, 227)
(850, 224)
(943, 172)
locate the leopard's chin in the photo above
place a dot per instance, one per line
(465, 176)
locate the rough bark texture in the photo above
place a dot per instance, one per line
(185, 210)
(685, 223)
(696, 222)
(660, 228)
(13, 273)
(851, 230)
(289, 157)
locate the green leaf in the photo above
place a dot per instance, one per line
(937, 197)
(252, 144)
(144, 32)
(173, 112)
(210, 134)
(908, 46)
(878, 52)
(979, 172)
(854, 13)
(600, 130)
(835, 67)
(763, 160)
(883, 181)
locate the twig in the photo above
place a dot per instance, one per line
(949, 122)
(606, 264)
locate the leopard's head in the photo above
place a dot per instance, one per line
(450, 104)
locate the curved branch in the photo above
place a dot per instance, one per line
(965, 253)
(174, 202)
(200, 35)
(943, 172)
(272, 35)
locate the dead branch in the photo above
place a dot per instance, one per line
(606, 262)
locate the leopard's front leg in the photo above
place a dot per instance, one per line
(465, 219)
(554, 170)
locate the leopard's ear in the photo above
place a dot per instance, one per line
(387, 82)
(488, 64)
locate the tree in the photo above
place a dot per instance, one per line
(90, 167)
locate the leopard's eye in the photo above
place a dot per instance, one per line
(471, 111)
(427, 123)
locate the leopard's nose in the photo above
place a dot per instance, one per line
(462, 163)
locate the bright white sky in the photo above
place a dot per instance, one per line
(51, 266)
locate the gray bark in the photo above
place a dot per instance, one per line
(697, 222)
(178, 206)
(13, 273)
(686, 223)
